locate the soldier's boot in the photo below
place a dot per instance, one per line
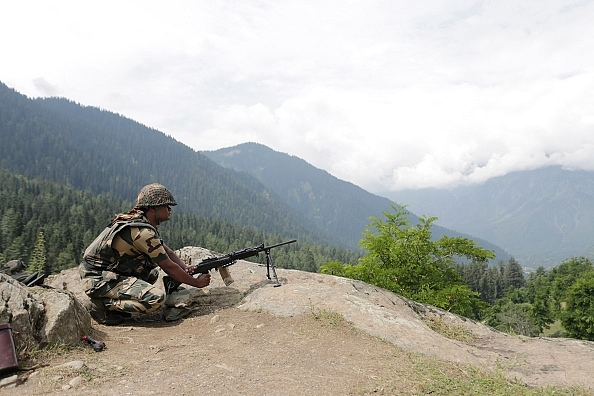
(104, 316)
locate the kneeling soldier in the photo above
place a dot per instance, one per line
(122, 264)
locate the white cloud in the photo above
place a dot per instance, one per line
(388, 95)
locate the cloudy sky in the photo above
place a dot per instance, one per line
(388, 95)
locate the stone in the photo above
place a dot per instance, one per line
(74, 365)
(41, 315)
(9, 382)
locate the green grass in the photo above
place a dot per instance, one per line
(453, 332)
(417, 374)
(556, 330)
(325, 316)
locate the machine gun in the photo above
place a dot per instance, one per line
(227, 260)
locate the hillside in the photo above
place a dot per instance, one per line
(312, 192)
(541, 217)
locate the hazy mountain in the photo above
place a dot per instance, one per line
(540, 216)
(335, 206)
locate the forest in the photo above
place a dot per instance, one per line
(48, 226)
(104, 153)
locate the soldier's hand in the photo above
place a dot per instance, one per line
(203, 280)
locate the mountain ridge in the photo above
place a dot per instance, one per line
(318, 195)
(92, 149)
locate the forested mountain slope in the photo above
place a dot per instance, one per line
(49, 225)
(99, 151)
(335, 206)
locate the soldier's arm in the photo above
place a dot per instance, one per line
(176, 259)
(175, 271)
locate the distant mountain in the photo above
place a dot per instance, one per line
(541, 217)
(90, 149)
(335, 206)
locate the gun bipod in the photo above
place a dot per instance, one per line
(269, 266)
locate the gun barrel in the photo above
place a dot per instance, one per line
(280, 244)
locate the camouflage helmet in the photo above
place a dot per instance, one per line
(154, 195)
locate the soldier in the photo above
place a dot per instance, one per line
(121, 265)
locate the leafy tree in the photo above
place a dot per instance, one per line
(491, 287)
(564, 276)
(512, 317)
(335, 268)
(578, 316)
(10, 225)
(473, 273)
(16, 250)
(407, 261)
(538, 294)
(310, 262)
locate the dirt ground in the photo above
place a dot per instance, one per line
(236, 352)
(229, 352)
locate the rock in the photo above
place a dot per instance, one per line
(74, 365)
(41, 315)
(171, 314)
(66, 320)
(22, 309)
(9, 382)
(75, 382)
(13, 267)
(69, 280)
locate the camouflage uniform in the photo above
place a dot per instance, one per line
(120, 267)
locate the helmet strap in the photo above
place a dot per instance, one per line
(157, 216)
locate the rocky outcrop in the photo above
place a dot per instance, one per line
(41, 316)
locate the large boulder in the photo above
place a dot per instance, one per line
(21, 309)
(41, 315)
(69, 280)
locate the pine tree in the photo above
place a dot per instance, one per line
(38, 256)
(513, 275)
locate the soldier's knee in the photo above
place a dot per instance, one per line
(155, 298)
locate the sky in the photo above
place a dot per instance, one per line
(389, 95)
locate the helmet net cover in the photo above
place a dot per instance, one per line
(154, 195)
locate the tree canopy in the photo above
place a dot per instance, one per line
(407, 261)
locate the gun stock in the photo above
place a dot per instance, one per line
(222, 262)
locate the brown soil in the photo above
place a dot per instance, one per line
(234, 352)
(230, 352)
